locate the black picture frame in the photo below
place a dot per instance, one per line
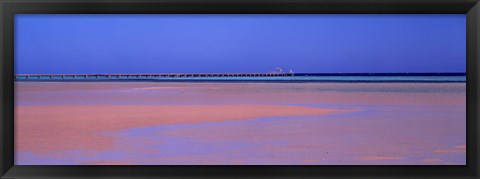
(11, 7)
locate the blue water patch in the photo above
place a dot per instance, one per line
(257, 78)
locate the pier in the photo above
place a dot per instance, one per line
(141, 76)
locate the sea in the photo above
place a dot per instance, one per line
(295, 78)
(304, 119)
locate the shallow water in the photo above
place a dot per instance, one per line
(370, 123)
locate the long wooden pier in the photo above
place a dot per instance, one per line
(143, 76)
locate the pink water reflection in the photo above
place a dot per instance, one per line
(114, 123)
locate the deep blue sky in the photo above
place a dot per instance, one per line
(239, 43)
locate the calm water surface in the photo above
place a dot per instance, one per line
(376, 123)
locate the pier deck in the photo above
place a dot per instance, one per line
(143, 76)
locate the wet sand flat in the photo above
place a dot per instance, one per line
(77, 127)
(82, 123)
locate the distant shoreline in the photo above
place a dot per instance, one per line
(380, 74)
(287, 79)
(254, 77)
